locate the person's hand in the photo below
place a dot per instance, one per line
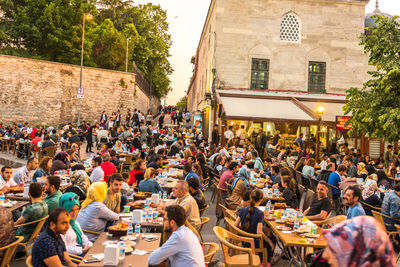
(153, 205)
(134, 185)
(261, 172)
(275, 186)
(86, 249)
(5, 189)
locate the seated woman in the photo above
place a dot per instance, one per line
(94, 215)
(238, 188)
(362, 173)
(383, 180)
(369, 196)
(250, 219)
(60, 162)
(80, 182)
(44, 168)
(149, 184)
(76, 242)
(308, 168)
(119, 147)
(289, 192)
(137, 174)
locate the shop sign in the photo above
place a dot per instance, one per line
(341, 122)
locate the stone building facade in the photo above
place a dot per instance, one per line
(46, 92)
(288, 36)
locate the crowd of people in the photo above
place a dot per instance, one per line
(100, 188)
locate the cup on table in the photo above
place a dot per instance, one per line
(127, 209)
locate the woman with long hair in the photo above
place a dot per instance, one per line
(197, 169)
(300, 164)
(149, 184)
(44, 168)
(60, 162)
(251, 219)
(289, 192)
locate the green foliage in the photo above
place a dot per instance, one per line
(52, 30)
(182, 103)
(376, 107)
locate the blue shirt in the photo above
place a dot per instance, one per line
(391, 207)
(182, 249)
(334, 179)
(192, 174)
(300, 141)
(257, 216)
(47, 245)
(356, 210)
(149, 185)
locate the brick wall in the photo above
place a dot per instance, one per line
(45, 92)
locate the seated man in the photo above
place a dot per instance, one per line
(49, 248)
(189, 173)
(113, 198)
(391, 207)
(183, 248)
(335, 178)
(97, 174)
(351, 198)
(6, 180)
(51, 188)
(196, 193)
(320, 207)
(34, 212)
(107, 167)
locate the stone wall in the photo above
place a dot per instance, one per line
(45, 92)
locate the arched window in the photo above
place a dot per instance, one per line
(290, 28)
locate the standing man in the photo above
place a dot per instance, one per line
(229, 135)
(187, 116)
(261, 140)
(300, 141)
(49, 248)
(6, 180)
(118, 118)
(51, 188)
(89, 138)
(161, 121)
(24, 175)
(215, 137)
(241, 136)
(128, 118)
(113, 197)
(103, 117)
(351, 198)
(183, 248)
(388, 157)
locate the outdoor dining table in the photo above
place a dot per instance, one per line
(17, 197)
(293, 246)
(17, 205)
(130, 259)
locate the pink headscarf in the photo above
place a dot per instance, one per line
(360, 242)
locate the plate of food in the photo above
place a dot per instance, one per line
(283, 228)
(281, 221)
(271, 219)
(128, 249)
(17, 189)
(310, 235)
(128, 238)
(118, 229)
(130, 243)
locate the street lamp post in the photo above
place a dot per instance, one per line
(127, 53)
(85, 17)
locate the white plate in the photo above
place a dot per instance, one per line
(128, 238)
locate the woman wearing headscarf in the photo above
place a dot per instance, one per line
(80, 182)
(94, 215)
(76, 242)
(238, 188)
(369, 196)
(360, 241)
(60, 162)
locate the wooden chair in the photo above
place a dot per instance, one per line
(203, 221)
(127, 163)
(260, 249)
(48, 151)
(4, 145)
(299, 178)
(194, 230)
(228, 213)
(29, 261)
(75, 258)
(9, 251)
(379, 217)
(91, 232)
(218, 211)
(203, 210)
(368, 207)
(39, 224)
(238, 260)
(210, 252)
(331, 221)
(306, 199)
(398, 232)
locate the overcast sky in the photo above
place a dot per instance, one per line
(186, 19)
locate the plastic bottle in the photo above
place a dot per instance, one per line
(165, 195)
(296, 223)
(2, 198)
(160, 194)
(130, 230)
(121, 251)
(268, 207)
(283, 217)
(300, 215)
(137, 228)
(270, 193)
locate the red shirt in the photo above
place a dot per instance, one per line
(108, 169)
(225, 177)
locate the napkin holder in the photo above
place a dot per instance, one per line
(137, 216)
(155, 198)
(111, 255)
(265, 192)
(26, 191)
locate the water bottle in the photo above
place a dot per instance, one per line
(121, 251)
(296, 223)
(130, 230)
(137, 228)
(300, 215)
(160, 194)
(2, 198)
(270, 193)
(150, 216)
(283, 217)
(268, 207)
(165, 195)
(144, 216)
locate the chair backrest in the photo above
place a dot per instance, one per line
(227, 212)
(308, 199)
(39, 225)
(9, 251)
(370, 207)
(188, 225)
(128, 159)
(302, 189)
(299, 179)
(378, 216)
(49, 151)
(210, 252)
(335, 220)
(203, 209)
(203, 221)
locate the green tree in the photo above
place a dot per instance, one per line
(375, 108)
(49, 29)
(182, 103)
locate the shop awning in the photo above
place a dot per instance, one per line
(331, 110)
(244, 108)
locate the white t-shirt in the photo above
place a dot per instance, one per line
(229, 135)
(9, 183)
